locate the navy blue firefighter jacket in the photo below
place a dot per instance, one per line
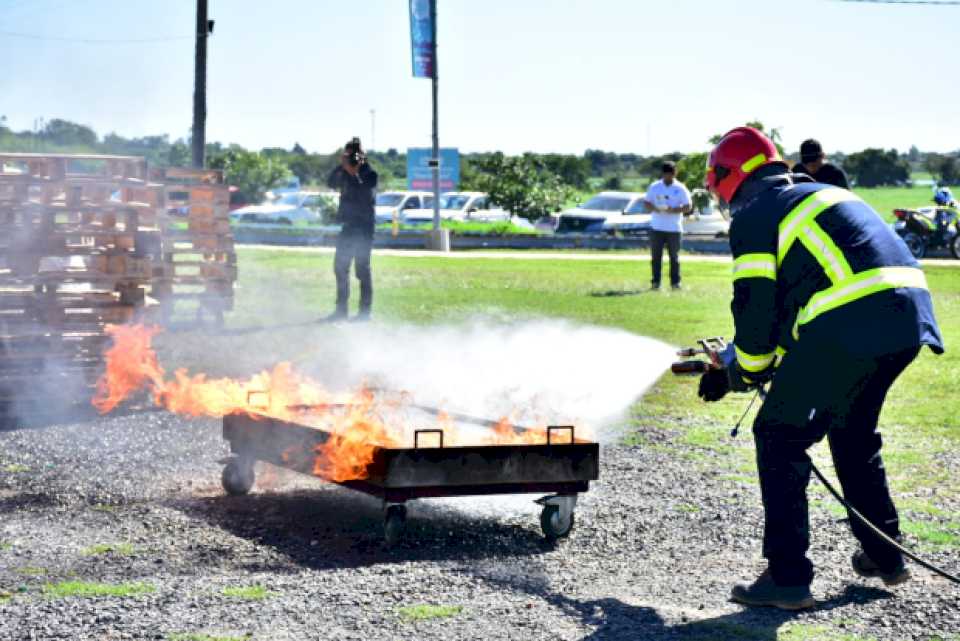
(815, 265)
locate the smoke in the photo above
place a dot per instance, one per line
(534, 372)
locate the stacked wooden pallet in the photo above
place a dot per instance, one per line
(199, 263)
(78, 238)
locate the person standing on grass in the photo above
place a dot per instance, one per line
(813, 163)
(357, 183)
(669, 200)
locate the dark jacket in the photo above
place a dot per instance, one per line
(357, 196)
(827, 174)
(815, 265)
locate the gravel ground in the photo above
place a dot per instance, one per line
(655, 550)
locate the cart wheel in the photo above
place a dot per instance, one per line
(553, 524)
(393, 524)
(238, 476)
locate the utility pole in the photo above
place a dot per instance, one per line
(199, 138)
(373, 139)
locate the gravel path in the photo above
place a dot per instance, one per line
(656, 547)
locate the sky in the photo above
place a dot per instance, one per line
(514, 75)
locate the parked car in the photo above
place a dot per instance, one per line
(459, 205)
(707, 218)
(626, 206)
(306, 206)
(390, 203)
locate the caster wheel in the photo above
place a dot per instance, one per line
(553, 524)
(238, 476)
(394, 524)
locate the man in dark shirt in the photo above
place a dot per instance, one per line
(813, 163)
(357, 182)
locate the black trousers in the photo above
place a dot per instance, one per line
(353, 247)
(672, 240)
(818, 392)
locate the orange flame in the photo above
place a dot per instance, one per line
(353, 419)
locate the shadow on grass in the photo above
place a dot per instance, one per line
(619, 293)
(333, 527)
(615, 620)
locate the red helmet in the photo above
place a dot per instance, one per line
(739, 153)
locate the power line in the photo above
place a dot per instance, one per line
(927, 2)
(94, 41)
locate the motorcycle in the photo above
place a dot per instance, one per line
(928, 228)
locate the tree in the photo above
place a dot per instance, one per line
(692, 169)
(945, 168)
(522, 185)
(250, 172)
(64, 132)
(874, 167)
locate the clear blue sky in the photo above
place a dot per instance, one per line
(515, 75)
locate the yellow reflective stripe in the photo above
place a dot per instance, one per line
(826, 252)
(808, 209)
(753, 362)
(860, 286)
(755, 266)
(753, 163)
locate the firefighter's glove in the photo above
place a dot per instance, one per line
(736, 380)
(714, 385)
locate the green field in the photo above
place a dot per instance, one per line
(920, 415)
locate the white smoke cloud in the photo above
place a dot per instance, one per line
(534, 372)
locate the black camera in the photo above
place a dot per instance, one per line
(354, 152)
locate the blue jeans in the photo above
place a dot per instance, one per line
(353, 247)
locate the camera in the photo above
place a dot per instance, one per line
(354, 152)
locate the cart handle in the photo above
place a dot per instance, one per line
(551, 428)
(253, 393)
(417, 433)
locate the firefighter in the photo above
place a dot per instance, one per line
(829, 307)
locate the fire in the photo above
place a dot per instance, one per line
(354, 420)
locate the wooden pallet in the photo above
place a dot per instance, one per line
(53, 167)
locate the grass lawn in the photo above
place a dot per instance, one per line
(919, 416)
(886, 199)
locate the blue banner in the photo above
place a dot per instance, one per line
(420, 174)
(421, 39)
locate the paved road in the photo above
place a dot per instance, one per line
(519, 255)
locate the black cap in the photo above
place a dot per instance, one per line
(810, 150)
(668, 166)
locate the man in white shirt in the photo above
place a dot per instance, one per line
(669, 200)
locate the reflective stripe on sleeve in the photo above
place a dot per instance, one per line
(859, 286)
(753, 362)
(755, 266)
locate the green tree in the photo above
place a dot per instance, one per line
(692, 170)
(66, 133)
(875, 167)
(945, 168)
(522, 185)
(251, 172)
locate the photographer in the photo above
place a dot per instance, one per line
(357, 182)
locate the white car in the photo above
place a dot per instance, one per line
(390, 203)
(706, 220)
(460, 205)
(625, 207)
(289, 208)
